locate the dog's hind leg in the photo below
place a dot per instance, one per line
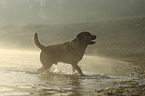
(75, 66)
(46, 63)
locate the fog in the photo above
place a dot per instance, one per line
(119, 24)
(20, 12)
(115, 36)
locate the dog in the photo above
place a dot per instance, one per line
(68, 52)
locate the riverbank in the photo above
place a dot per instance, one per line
(126, 88)
(124, 91)
(135, 87)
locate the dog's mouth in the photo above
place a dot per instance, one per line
(92, 41)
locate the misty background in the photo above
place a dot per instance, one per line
(66, 11)
(119, 24)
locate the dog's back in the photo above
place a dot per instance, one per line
(61, 53)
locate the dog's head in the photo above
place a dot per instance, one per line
(87, 37)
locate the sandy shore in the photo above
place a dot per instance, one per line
(123, 91)
(135, 89)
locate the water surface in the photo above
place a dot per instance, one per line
(19, 76)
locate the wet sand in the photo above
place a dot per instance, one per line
(135, 89)
(139, 61)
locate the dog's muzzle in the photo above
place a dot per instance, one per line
(94, 37)
(91, 42)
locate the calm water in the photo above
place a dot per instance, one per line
(19, 75)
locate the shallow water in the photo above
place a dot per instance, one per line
(19, 75)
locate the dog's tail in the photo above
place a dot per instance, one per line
(37, 42)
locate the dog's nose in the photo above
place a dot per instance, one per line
(94, 36)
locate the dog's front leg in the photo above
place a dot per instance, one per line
(78, 69)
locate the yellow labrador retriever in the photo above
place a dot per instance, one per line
(68, 52)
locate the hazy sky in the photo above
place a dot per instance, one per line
(64, 11)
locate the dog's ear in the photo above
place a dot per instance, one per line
(79, 35)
